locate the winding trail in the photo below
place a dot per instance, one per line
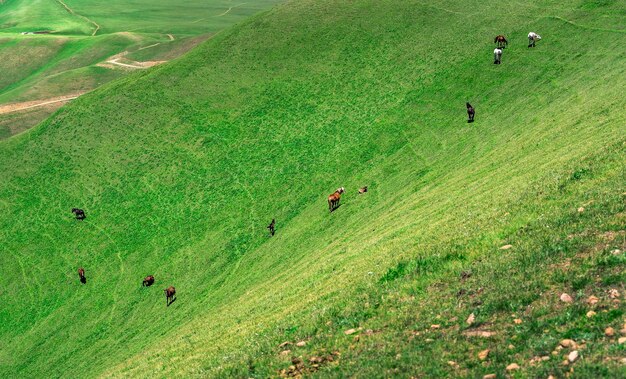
(71, 11)
(15, 107)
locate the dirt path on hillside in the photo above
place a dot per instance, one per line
(71, 11)
(15, 107)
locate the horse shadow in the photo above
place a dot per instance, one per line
(335, 208)
(171, 302)
(83, 280)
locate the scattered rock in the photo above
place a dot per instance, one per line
(623, 361)
(470, 320)
(609, 332)
(511, 347)
(453, 364)
(591, 300)
(616, 252)
(490, 376)
(284, 344)
(591, 314)
(581, 209)
(512, 366)
(301, 343)
(573, 356)
(435, 326)
(545, 358)
(506, 247)
(613, 293)
(483, 354)
(567, 343)
(285, 352)
(621, 340)
(429, 340)
(517, 321)
(479, 333)
(566, 298)
(551, 377)
(350, 331)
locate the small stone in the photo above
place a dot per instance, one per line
(452, 363)
(623, 332)
(284, 344)
(565, 362)
(573, 356)
(490, 376)
(613, 293)
(429, 340)
(609, 332)
(470, 320)
(616, 252)
(301, 343)
(581, 209)
(567, 343)
(545, 358)
(566, 298)
(591, 300)
(621, 340)
(511, 347)
(483, 354)
(435, 326)
(551, 377)
(512, 366)
(623, 361)
(285, 352)
(506, 247)
(517, 321)
(591, 314)
(350, 331)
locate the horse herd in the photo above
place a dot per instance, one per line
(501, 42)
(170, 292)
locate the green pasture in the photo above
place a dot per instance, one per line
(181, 167)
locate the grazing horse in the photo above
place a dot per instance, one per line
(170, 295)
(333, 199)
(532, 38)
(81, 274)
(272, 227)
(470, 112)
(148, 281)
(79, 213)
(362, 190)
(497, 56)
(501, 41)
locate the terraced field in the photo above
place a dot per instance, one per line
(466, 241)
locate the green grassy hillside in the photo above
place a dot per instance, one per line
(84, 35)
(181, 167)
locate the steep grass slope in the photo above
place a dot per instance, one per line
(180, 168)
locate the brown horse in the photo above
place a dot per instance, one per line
(170, 295)
(81, 274)
(470, 112)
(333, 199)
(501, 41)
(148, 281)
(272, 227)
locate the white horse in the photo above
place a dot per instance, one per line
(497, 56)
(532, 38)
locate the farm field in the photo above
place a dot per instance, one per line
(487, 248)
(83, 37)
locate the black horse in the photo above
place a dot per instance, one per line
(79, 213)
(272, 227)
(470, 112)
